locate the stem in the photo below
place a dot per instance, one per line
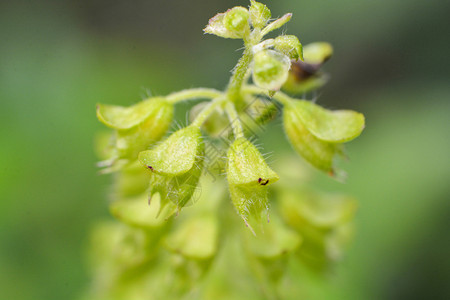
(279, 96)
(204, 114)
(193, 94)
(235, 122)
(236, 81)
(240, 70)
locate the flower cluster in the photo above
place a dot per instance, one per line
(163, 248)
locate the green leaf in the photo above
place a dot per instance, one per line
(331, 126)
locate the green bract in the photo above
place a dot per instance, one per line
(270, 69)
(248, 176)
(136, 127)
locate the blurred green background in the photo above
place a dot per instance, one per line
(59, 58)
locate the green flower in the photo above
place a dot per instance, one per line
(136, 127)
(317, 133)
(259, 14)
(233, 24)
(248, 177)
(176, 165)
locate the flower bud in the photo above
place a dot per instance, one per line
(259, 14)
(290, 46)
(236, 20)
(317, 53)
(176, 166)
(137, 126)
(270, 69)
(231, 24)
(316, 133)
(248, 176)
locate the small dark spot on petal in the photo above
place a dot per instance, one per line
(259, 180)
(150, 167)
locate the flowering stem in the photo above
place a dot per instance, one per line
(235, 122)
(190, 94)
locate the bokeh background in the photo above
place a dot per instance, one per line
(59, 58)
